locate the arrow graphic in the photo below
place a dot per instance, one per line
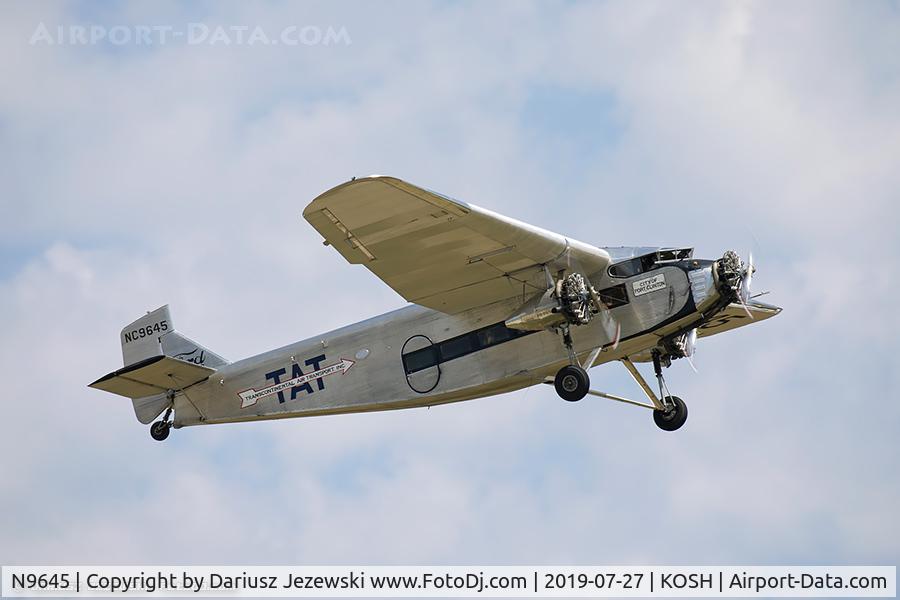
(251, 396)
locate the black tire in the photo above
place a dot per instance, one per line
(572, 383)
(159, 431)
(674, 418)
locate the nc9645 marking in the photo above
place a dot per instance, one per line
(146, 331)
(251, 396)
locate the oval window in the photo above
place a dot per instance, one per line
(420, 363)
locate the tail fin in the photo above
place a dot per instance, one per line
(154, 334)
(157, 359)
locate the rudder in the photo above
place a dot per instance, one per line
(154, 334)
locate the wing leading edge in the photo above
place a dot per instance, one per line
(438, 252)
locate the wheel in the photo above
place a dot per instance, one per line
(673, 418)
(160, 430)
(572, 383)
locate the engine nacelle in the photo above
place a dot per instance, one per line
(537, 315)
(572, 300)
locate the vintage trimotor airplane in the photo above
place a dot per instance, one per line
(497, 305)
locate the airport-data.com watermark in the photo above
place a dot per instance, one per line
(191, 34)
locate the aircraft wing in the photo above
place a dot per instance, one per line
(439, 252)
(734, 316)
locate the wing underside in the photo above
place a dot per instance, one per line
(439, 252)
(734, 316)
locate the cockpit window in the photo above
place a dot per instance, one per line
(630, 268)
(642, 264)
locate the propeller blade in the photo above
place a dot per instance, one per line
(610, 325)
(691, 362)
(747, 279)
(690, 346)
(746, 282)
(618, 335)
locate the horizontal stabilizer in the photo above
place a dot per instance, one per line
(154, 375)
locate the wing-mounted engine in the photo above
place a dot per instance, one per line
(541, 312)
(682, 346)
(578, 299)
(572, 300)
(569, 300)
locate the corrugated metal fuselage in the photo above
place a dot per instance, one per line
(360, 367)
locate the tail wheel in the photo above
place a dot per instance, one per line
(572, 383)
(674, 417)
(159, 431)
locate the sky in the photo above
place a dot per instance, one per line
(135, 175)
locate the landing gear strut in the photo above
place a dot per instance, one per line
(159, 431)
(572, 381)
(673, 413)
(669, 412)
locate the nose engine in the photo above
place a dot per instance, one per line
(733, 277)
(723, 282)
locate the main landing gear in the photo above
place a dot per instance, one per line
(572, 383)
(672, 418)
(673, 413)
(159, 431)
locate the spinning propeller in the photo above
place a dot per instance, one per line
(690, 346)
(746, 281)
(610, 325)
(739, 278)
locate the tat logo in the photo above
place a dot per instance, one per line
(299, 381)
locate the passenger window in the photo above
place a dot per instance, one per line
(614, 296)
(456, 347)
(420, 359)
(461, 345)
(496, 334)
